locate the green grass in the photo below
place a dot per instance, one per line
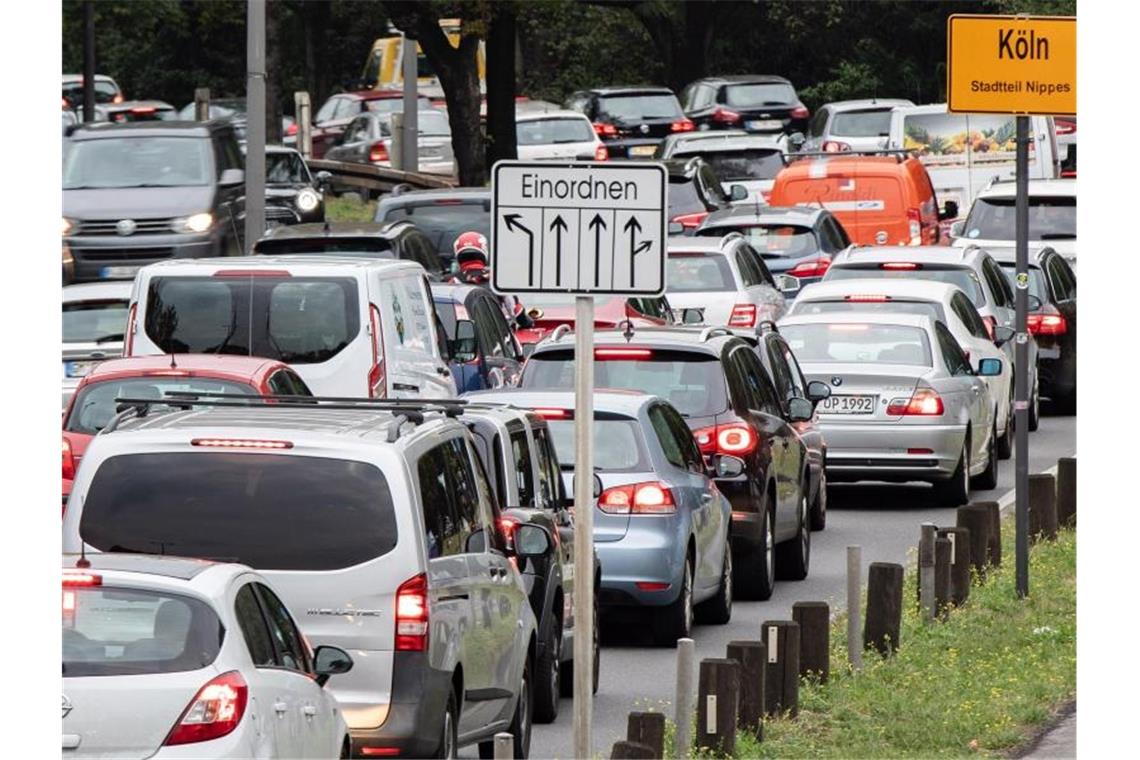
(348, 208)
(974, 685)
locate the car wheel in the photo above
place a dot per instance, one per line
(795, 555)
(449, 740)
(1035, 407)
(819, 505)
(676, 621)
(718, 610)
(955, 491)
(521, 723)
(548, 671)
(756, 570)
(989, 478)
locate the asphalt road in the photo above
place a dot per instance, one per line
(884, 520)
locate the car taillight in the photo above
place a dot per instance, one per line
(866, 298)
(650, 498)
(923, 402)
(899, 266)
(736, 438)
(914, 224)
(816, 267)
(291, 129)
(682, 125)
(143, 109)
(725, 116)
(412, 615)
(601, 153)
(377, 388)
(117, 99)
(743, 315)
(1044, 323)
(1065, 126)
(990, 324)
(240, 443)
(378, 152)
(834, 146)
(800, 112)
(690, 221)
(603, 129)
(81, 580)
(554, 414)
(622, 353)
(215, 711)
(68, 461)
(131, 329)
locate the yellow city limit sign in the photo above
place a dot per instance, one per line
(1011, 64)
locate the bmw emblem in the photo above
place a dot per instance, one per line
(837, 381)
(644, 129)
(126, 227)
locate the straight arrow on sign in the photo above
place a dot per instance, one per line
(597, 224)
(558, 226)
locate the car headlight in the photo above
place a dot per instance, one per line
(307, 200)
(68, 226)
(195, 223)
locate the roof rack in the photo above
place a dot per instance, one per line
(713, 332)
(558, 332)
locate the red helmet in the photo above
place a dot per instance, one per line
(471, 250)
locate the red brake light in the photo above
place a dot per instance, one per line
(378, 153)
(682, 125)
(924, 402)
(412, 615)
(651, 586)
(130, 329)
(736, 438)
(691, 221)
(240, 443)
(725, 116)
(743, 315)
(899, 265)
(68, 461)
(1046, 324)
(605, 130)
(834, 146)
(81, 580)
(800, 112)
(622, 353)
(215, 711)
(380, 751)
(554, 414)
(143, 109)
(866, 298)
(1064, 126)
(811, 268)
(651, 498)
(291, 129)
(377, 387)
(601, 153)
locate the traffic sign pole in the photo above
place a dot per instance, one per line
(583, 526)
(1021, 361)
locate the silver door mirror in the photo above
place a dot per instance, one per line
(330, 661)
(1003, 335)
(531, 540)
(787, 283)
(800, 409)
(957, 228)
(728, 466)
(818, 390)
(737, 192)
(692, 316)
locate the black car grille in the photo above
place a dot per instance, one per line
(280, 213)
(120, 254)
(109, 226)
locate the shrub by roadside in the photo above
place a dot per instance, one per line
(348, 208)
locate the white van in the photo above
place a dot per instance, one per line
(964, 152)
(347, 326)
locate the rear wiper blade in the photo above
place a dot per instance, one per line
(109, 338)
(1058, 236)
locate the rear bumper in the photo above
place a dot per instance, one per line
(892, 452)
(747, 532)
(1056, 369)
(413, 726)
(620, 148)
(648, 553)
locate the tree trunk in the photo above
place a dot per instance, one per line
(502, 141)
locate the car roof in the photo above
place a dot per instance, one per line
(932, 290)
(702, 244)
(107, 129)
(1060, 187)
(247, 368)
(67, 78)
(746, 78)
(183, 568)
(820, 167)
(673, 337)
(374, 94)
(726, 140)
(927, 254)
(97, 291)
(605, 399)
(644, 89)
(924, 321)
(461, 193)
(560, 113)
(333, 230)
(746, 213)
(1006, 254)
(865, 103)
(457, 292)
(285, 262)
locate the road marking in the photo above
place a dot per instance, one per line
(1006, 502)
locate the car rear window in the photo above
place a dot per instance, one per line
(699, 272)
(297, 320)
(684, 197)
(1050, 218)
(618, 445)
(783, 240)
(139, 161)
(113, 631)
(444, 220)
(692, 381)
(730, 165)
(94, 321)
(268, 511)
(842, 305)
(965, 279)
(367, 245)
(760, 94)
(553, 131)
(633, 108)
(95, 404)
(862, 343)
(1036, 280)
(876, 123)
(105, 92)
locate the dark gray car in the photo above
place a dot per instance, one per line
(138, 193)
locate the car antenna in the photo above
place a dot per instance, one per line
(172, 363)
(82, 563)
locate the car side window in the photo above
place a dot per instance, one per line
(247, 610)
(467, 496)
(549, 476)
(327, 110)
(819, 123)
(956, 362)
(1068, 274)
(780, 374)
(1058, 279)
(489, 344)
(347, 108)
(441, 524)
(968, 313)
(761, 268)
(504, 336)
(524, 474)
(299, 387)
(748, 274)
(838, 234)
(691, 455)
(279, 384)
(798, 382)
(666, 437)
(760, 384)
(489, 511)
(712, 185)
(423, 251)
(292, 651)
(997, 282)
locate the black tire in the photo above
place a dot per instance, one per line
(450, 730)
(548, 675)
(524, 712)
(756, 567)
(1005, 443)
(1035, 408)
(676, 621)
(988, 479)
(345, 749)
(819, 503)
(794, 556)
(955, 491)
(718, 610)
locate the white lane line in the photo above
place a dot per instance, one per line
(1006, 502)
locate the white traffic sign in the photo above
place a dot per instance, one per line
(586, 228)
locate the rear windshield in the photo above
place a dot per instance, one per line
(444, 220)
(965, 279)
(94, 321)
(760, 94)
(684, 198)
(858, 343)
(1050, 218)
(699, 272)
(842, 305)
(730, 165)
(105, 92)
(553, 131)
(297, 320)
(268, 511)
(95, 404)
(783, 240)
(618, 446)
(367, 245)
(1036, 280)
(388, 105)
(692, 382)
(109, 631)
(861, 124)
(639, 107)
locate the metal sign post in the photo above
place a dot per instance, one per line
(255, 124)
(1021, 361)
(580, 229)
(409, 128)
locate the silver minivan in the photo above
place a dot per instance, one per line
(375, 523)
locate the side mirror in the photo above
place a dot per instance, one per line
(800, 409)
(728, 466)
(787, 283)
(231, 177)
(796, 140)
(531, 540)
(330, 661)
(324, 179)
(818, 390)
(1034, 302)
(957, 228)
(738, 192)
(464, 347)
(676, 228)
(989, 367)
(692, 316)
(949, 210)
(1002, 335)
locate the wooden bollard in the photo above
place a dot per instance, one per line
(647, 728)
(976, 519)
(884, 607)
(814, 619)
(942, 577)
(1042, 506)
(959, 539)
(751, 656)
(1067, 491)
(782, 666)
(854, 607)
(628, 750)
(504, 746)
(683, 697)
(718, 697)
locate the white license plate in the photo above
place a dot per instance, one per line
(643, 150)
(77, 369)
(119, 273)
(847, 405)
(767, 124)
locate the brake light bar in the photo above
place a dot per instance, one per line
(252, 273)
(622, 353)
(900, 265)
(240, 443)
(81, 580)
(923, 402)
(604, 129)
(412, 615)
(866, 298)
(554, 414)
(649, 498)
(743, 315)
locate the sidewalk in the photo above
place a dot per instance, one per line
(1059, 742)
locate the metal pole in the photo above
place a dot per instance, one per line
(683, 700)
(854, 607)
(1021, 361)
(926, 571)
(88, 61)
(584, 526)
(202, 104)
(504, 746)
(409, 156)
(304, 120)
(255, 123)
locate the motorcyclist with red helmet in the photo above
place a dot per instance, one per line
(473, 260)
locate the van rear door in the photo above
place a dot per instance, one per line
(414, 364)
(870, 206)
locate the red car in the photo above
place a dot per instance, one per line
(340, 109)
(549, 311)
(93, 404)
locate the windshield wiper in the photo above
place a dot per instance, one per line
(1058, 236)
(109, 338)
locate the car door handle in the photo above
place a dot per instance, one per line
(309, 710)
(280, 707)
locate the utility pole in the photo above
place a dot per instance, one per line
(255, 122)
(1021, 361)
(409, 138)
(88, 61)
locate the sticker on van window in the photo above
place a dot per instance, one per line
(973, 233)
(398, 313)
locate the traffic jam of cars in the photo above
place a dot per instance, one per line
(317, 487)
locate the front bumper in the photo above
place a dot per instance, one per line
(650, 552)
(889, 451)
(114, 257)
